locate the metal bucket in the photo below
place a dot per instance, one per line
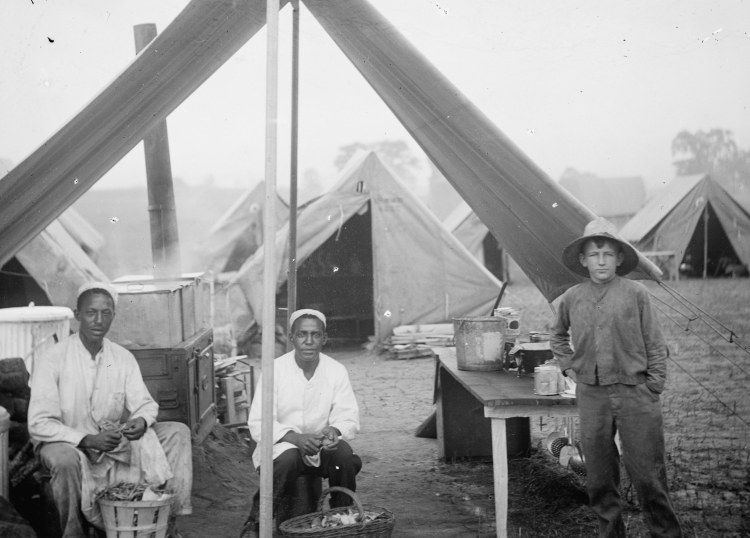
(479, 343)
(28, 331)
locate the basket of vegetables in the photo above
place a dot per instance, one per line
(366, 521)
(135, 511)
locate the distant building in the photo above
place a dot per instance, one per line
(616, 199)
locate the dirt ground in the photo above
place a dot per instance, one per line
(402, 472)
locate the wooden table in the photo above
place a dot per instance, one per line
(503, 395)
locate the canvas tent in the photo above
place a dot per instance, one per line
(616, 199)
(368, 249)
(464, 224)
(675, 220)
(51, 267)
(239, 232)
(84, 234)
(528, 212)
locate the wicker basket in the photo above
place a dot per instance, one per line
(136, 519)
(381, 527)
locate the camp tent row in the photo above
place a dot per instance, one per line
(371, 253)
(674, 220)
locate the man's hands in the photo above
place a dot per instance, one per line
(330, 439)
(308, 443)
(104, 441)
(134, 428)
(108, 439)
(571, 374)
(312, 443)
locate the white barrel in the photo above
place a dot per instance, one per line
(28, 331)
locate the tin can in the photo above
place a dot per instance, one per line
(545, 380)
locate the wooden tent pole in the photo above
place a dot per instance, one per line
(705, 242)
(291, 284)
(269, 271)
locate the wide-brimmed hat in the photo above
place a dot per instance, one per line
(599, 227)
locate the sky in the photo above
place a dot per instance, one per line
(602, 87)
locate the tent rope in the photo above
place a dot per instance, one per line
(732, 412)
(702, 339)
(341, 223)
(732, 338)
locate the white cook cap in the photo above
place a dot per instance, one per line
(306, 312)
(98, 286)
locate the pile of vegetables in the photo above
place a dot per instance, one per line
(127, 491)
(340, 519)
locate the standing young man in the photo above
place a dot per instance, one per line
(618, 359)
(315, 416)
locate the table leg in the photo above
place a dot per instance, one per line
(500, 473)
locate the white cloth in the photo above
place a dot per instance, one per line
(306, 406)
(61, 409)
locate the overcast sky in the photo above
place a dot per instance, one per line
(599, 86)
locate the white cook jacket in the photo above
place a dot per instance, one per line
(306, 406)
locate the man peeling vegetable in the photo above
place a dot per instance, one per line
(80, 390)
(316, 415)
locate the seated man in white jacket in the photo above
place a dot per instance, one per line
(80, 389)
(316, 414)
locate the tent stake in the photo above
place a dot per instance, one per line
(269, 271)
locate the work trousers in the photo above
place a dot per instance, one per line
(635, 412)
(339, 466)
(63, 463)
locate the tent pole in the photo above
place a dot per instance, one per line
(269, 271)
(705, 242)
(291, 283)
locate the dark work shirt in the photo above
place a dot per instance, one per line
(614, 333)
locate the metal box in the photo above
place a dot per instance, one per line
(181, 380)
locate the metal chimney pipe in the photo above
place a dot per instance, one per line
(165, 243)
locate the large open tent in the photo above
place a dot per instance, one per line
(372, 257)
(697, 220)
